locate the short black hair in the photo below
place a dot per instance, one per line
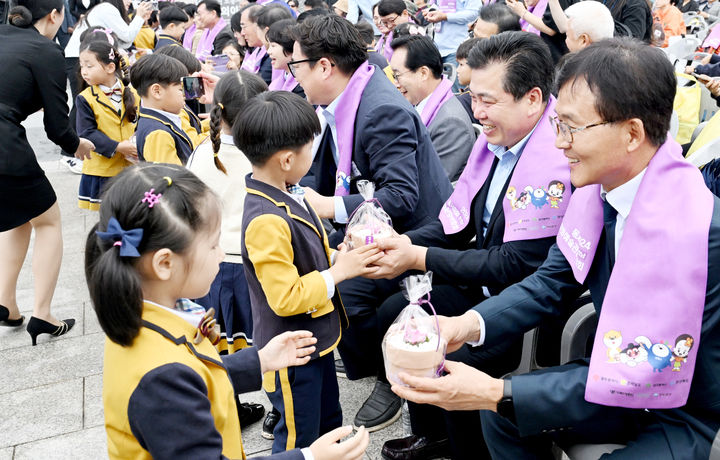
(212, 5)
(156, 68)
(366, 31)
(271, 14)
(313, 13)
(172, 15)
(273, 121)
(464, 49)
(501, 15)
(181, 54)
(388, 7)
(281, 33)
(619, 72)
(254, 12)
(334, 38)
(190, 9)
(322, 4)
(421, 51)
(526, 58)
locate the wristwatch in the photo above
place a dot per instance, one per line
(505, 406)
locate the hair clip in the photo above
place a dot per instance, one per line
(168, 179)
(222, 107)
(151, 198)
(108, 32)
(111, 55)
(127, 240)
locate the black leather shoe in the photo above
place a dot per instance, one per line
(414, 448)
(271, 419)
(381, 409)
(250, 413)
(340, 368)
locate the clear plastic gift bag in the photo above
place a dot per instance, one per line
(369, 222)
(413, 344)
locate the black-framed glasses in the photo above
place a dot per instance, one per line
(564, 130)
(389, 22)
(291, 65)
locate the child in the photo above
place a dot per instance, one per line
(173, 21)
(160, 137)
(106, 114)
(288, 263)
(280, 48)
(463, 75)
(167, 394)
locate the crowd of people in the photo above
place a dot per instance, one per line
(521, 150)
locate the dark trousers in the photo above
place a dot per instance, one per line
(658, 435)
(71, 72)
(308, 400)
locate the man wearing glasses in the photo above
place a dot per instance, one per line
(391, 13)
(642, 233)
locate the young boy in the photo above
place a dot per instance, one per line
(159, 136)
(173, 21)
(290, 269)
(463, 74)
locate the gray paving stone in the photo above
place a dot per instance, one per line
(93, 407)
(7, 454)
(42, 412)
(92, 325)
(89, 444)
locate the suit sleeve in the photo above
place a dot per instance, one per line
(87, 128)
(268, 242)
(160, 148)
(390, 141)
(433, 235)
(453, 143)
(496, 267)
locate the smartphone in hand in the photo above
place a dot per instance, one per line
(193, 87)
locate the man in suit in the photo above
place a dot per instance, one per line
(511, 78)
(623, 164)
(417, 67)
(369, 132)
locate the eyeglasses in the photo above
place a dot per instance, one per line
(397, 74)
(389, 22)
(291, 65)
(564, 130)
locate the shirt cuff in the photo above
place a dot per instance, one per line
(333, 257)
(341, 215)
(481, 340)
(307, 453)
(329, 282)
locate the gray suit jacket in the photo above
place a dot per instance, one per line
(453, 137)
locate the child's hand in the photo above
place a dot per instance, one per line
(349, 264)
(292, 348)
(128, 150)
(327, 446)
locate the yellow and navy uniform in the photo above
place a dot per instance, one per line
(379, 60)
(100, 122)
(284, 250)
(159, 140)
(145, 39)
(166, 40)
(197, 130)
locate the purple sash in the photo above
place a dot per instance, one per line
(345, 125)
(252, 61)
(205, 45)
(383, 45)
(283, 82)
(713, 38)
(649, 328)
(188, 37)
(535, 200)
(537, 10)
(442, 93)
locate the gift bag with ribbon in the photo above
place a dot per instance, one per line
(413, 344)
(369, 222)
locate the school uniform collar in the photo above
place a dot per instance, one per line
(98, 93)
(226, 139)
(173, 117)
(169, 37)
(164, 117)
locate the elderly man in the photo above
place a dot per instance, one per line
(587, 22)
(494, 19)
(651, 260)
(210, 19)
(417, 67)
(257, 61)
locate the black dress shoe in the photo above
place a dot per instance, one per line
(381, 409)
(250, 413)
(414, 448)
(340, 368)
(5, 321)
(271, 419)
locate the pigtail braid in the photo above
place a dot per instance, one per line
(215, 128)
(129, 101)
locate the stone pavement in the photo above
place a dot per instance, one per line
(51, 394)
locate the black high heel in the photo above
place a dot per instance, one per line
(5, 314)
(37, 326)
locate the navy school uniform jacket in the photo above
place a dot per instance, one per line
(166, 40)
(159, 140)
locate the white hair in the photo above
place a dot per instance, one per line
(591, 18)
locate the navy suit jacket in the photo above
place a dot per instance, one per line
(392, 148)
(551, 400)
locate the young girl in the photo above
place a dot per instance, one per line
(280, 47)
(106, 114)
(167, 394)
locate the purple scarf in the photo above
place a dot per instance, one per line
(649, 328)
(252, 61)
(205, 46)
(345, 125)
(281, 83)
(188, 37)
(713, 38)
(535, 200)
(440, 96)
(537, 10)
(383, 45)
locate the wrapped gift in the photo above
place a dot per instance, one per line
(413, 343)
(369, 222)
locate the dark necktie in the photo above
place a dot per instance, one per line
(609, 218)
(325, 165)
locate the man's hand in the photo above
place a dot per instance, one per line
(291, 348)
(457, 330)
(324, 205)
(84, 148)
(714, 87)
(463, 388)
(435, 16)
(400, 256)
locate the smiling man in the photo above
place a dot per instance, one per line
(257, 61)
(209, 17)
(642, 233)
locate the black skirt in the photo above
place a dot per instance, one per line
(24, 198)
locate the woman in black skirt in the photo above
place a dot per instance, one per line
(32, 77)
